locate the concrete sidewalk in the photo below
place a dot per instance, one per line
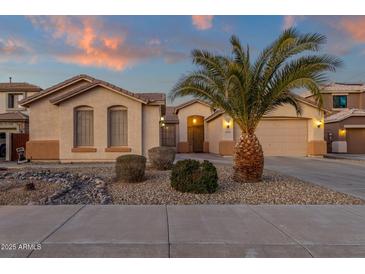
(184, 231)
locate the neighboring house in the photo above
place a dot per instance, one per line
(345, 126)
(85, 119)
(199, 128)
(13, 117)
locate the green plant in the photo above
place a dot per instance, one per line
(247, 90)
(195, 177)
(130, 168)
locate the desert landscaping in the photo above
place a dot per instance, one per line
(93, 184)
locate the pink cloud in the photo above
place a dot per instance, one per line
(289, 21)
(292, 20)
(355, 27)
(15, 49)
(203, 22)
(92, 42)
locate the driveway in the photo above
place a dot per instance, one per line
(340, 175)
(182, 231)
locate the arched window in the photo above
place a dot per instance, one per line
(117, 126)
(84, 126)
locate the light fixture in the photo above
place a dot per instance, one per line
(227, 124)
(342, 132)
(319, 124)
(162, 124)
(194, 121)
(162, 118)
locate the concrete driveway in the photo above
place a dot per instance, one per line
(342, 176)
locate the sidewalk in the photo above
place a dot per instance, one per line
(184, 231)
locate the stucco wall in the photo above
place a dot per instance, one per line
(354, 100)
(43, 121)
(214, 134)
(100, 99)
(184, 113)
(307, 125)
(151, 127)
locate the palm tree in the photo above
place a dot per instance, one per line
(248, 90)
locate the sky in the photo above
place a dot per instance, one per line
(150, 53)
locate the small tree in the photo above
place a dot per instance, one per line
(249, 90)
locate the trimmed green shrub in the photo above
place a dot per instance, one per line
(161, 158)
(194, 177)
(130, 168)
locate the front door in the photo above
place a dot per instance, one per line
(198, 138)
(196, 133)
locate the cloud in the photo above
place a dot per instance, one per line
(202, 22)
(355, 27)
(292, 20)
(93, 42)
(15, 49)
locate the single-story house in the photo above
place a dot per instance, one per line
(86, 119)
(14, 122)
(345, 131)
(199, 128)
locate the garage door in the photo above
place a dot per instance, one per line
(355, 138)
(283, 137)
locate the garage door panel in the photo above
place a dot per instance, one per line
(283, 137)
(355, 138)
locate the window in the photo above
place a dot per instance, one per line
(117, 126)
(13, 99)
(84, 127)
(340, 101)
(168, 135)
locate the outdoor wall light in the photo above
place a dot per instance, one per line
(342, 132)
(194, 121)
(162, 118)
(319, 124)
(227, 123)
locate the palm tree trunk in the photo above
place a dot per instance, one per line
(248, 159)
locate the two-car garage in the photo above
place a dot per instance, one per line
(286, 137)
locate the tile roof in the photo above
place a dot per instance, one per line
(344, 114)
(145, 97)
(170, 116)
(13, 116)
(15, 86)
(153, 96)
(338, 87)
(188, 103)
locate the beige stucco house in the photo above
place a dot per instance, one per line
(344, 126)
(13, 117)
(86, 119)
(199, 128)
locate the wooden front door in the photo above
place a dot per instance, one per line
(196, 138)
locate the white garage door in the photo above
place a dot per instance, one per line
(283, 137)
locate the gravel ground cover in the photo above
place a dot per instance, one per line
(275, 189)
(96, 185)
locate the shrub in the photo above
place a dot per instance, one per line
(195, 177)
(130, 168)
(162, 158)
